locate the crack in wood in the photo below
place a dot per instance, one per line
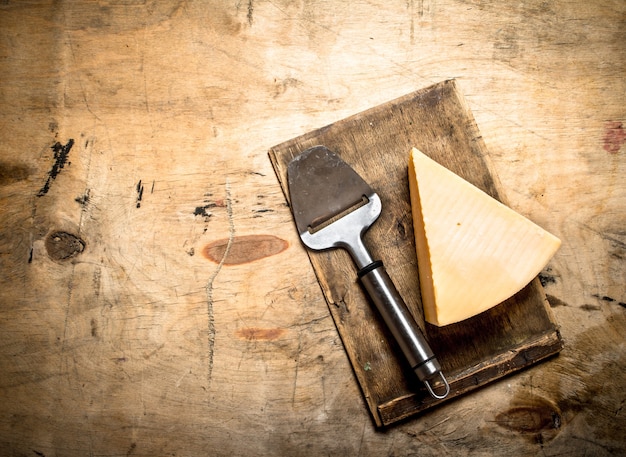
(209, 287)
(139, 189)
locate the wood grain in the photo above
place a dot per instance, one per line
(507, 338)
(148, 340)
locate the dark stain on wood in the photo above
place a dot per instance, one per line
(83, 200)
(139, 189)
(260, 212)
(61, 154)
(244, 249)
(63, 245)
(256, 334)
(605, 298)
(202, 211)
(11, 173)
(588, 307)
(131, 449)
(546, 278)
(533, 415)
(127, 16)
(250, 15)
(401, 228)
(554, 301)
(431, 98)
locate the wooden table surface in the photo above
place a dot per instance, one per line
(155, 299)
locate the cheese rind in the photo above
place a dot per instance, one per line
(473, 251)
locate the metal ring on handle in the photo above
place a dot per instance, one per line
(430, 389)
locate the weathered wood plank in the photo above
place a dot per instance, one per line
(109, 352)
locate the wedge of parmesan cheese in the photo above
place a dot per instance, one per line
(473, 252)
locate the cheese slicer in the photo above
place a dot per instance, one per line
(333, 207)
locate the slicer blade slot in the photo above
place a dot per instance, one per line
(321, 223)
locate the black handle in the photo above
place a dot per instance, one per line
(400, 322)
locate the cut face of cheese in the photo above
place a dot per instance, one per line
(473, 252)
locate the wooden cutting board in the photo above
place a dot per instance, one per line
(376, 143)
